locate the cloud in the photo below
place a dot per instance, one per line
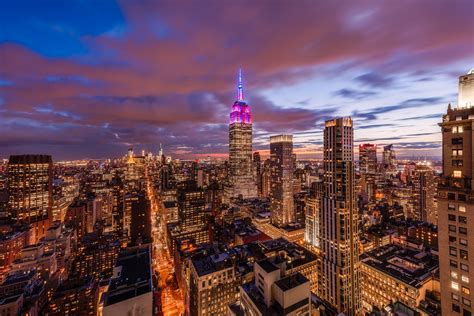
(160, 71)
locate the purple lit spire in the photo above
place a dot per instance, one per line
(240, 88)
(240, 109)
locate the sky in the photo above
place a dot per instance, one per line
(89, 79)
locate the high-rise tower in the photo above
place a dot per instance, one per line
(241, 180)
(339, 237)
(456, 204)
(30, 180)
(281, 179)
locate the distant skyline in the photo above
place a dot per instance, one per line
(85, 79)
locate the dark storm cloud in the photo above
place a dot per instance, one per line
(375, 80)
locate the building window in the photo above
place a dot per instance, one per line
(463, 230)
(453, 263)
(457, 163)
(463, 254)
(457, 173)
(454, 274)
(453, 251)
(462, 209)
(465, 278)
(455, 285)
(466, 313)
(466, 302)
(456, 141)
(463, 219)
(466, 290)
(451, 207)
(456, 308)
(451, 217)
(451, 196)
(457, 129)
(464, 267)
(455, 297)
(463, 241)
(452, 239)
(452, 228)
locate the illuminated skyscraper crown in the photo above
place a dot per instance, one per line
(240, 109)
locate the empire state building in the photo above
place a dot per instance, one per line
(241, 181)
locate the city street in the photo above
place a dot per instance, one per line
(171, 298)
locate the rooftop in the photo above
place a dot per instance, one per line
(409, 266)
(291, 281)
(134, 278)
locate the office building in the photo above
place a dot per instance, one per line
(271, 294)
(389, 157)
(281, 180)
(30, 191)
(367, 158)
(425, 189)
(242, 182)
(339, 282)
(394, 273)
(130, 290)
(456, 207)
(213, 284)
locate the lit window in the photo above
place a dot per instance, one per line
(454, 274)
(466, 302)
(455, 297)
(462, 209)
(465, 278)
(455, 285)
(466, 290)
(457, 173)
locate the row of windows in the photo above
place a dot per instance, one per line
(461, 219)
(462, 230)
(454, 264)
(453, 251)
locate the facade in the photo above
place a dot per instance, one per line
(466, 90)
(242, 182)
(425, 188)
(456, 208)
(130, 290)
(281, 180)
(271, 294)
(313, 214)
(140, 227)
(388, 157)
(339, 282)
(75, 297)
(30, 191)
(212, 286)
(368, 158)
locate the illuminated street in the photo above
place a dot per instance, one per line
(172, 303)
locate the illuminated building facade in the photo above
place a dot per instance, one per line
(339, 282)
(388, 157)
(424, 186)
(313, 214)
(213, 284)
(242, 182)
(393, 273)
(368, 158)
(456, 208)
(281, 180)
(30, 191)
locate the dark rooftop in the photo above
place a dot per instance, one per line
(291, 281)
(267, 266)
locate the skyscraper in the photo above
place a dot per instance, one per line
(281, 179)
(456, 206)
(30, 191)
(424, 187)
(368, 158)
(242, 182)
(339, 238)
(388, 157)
